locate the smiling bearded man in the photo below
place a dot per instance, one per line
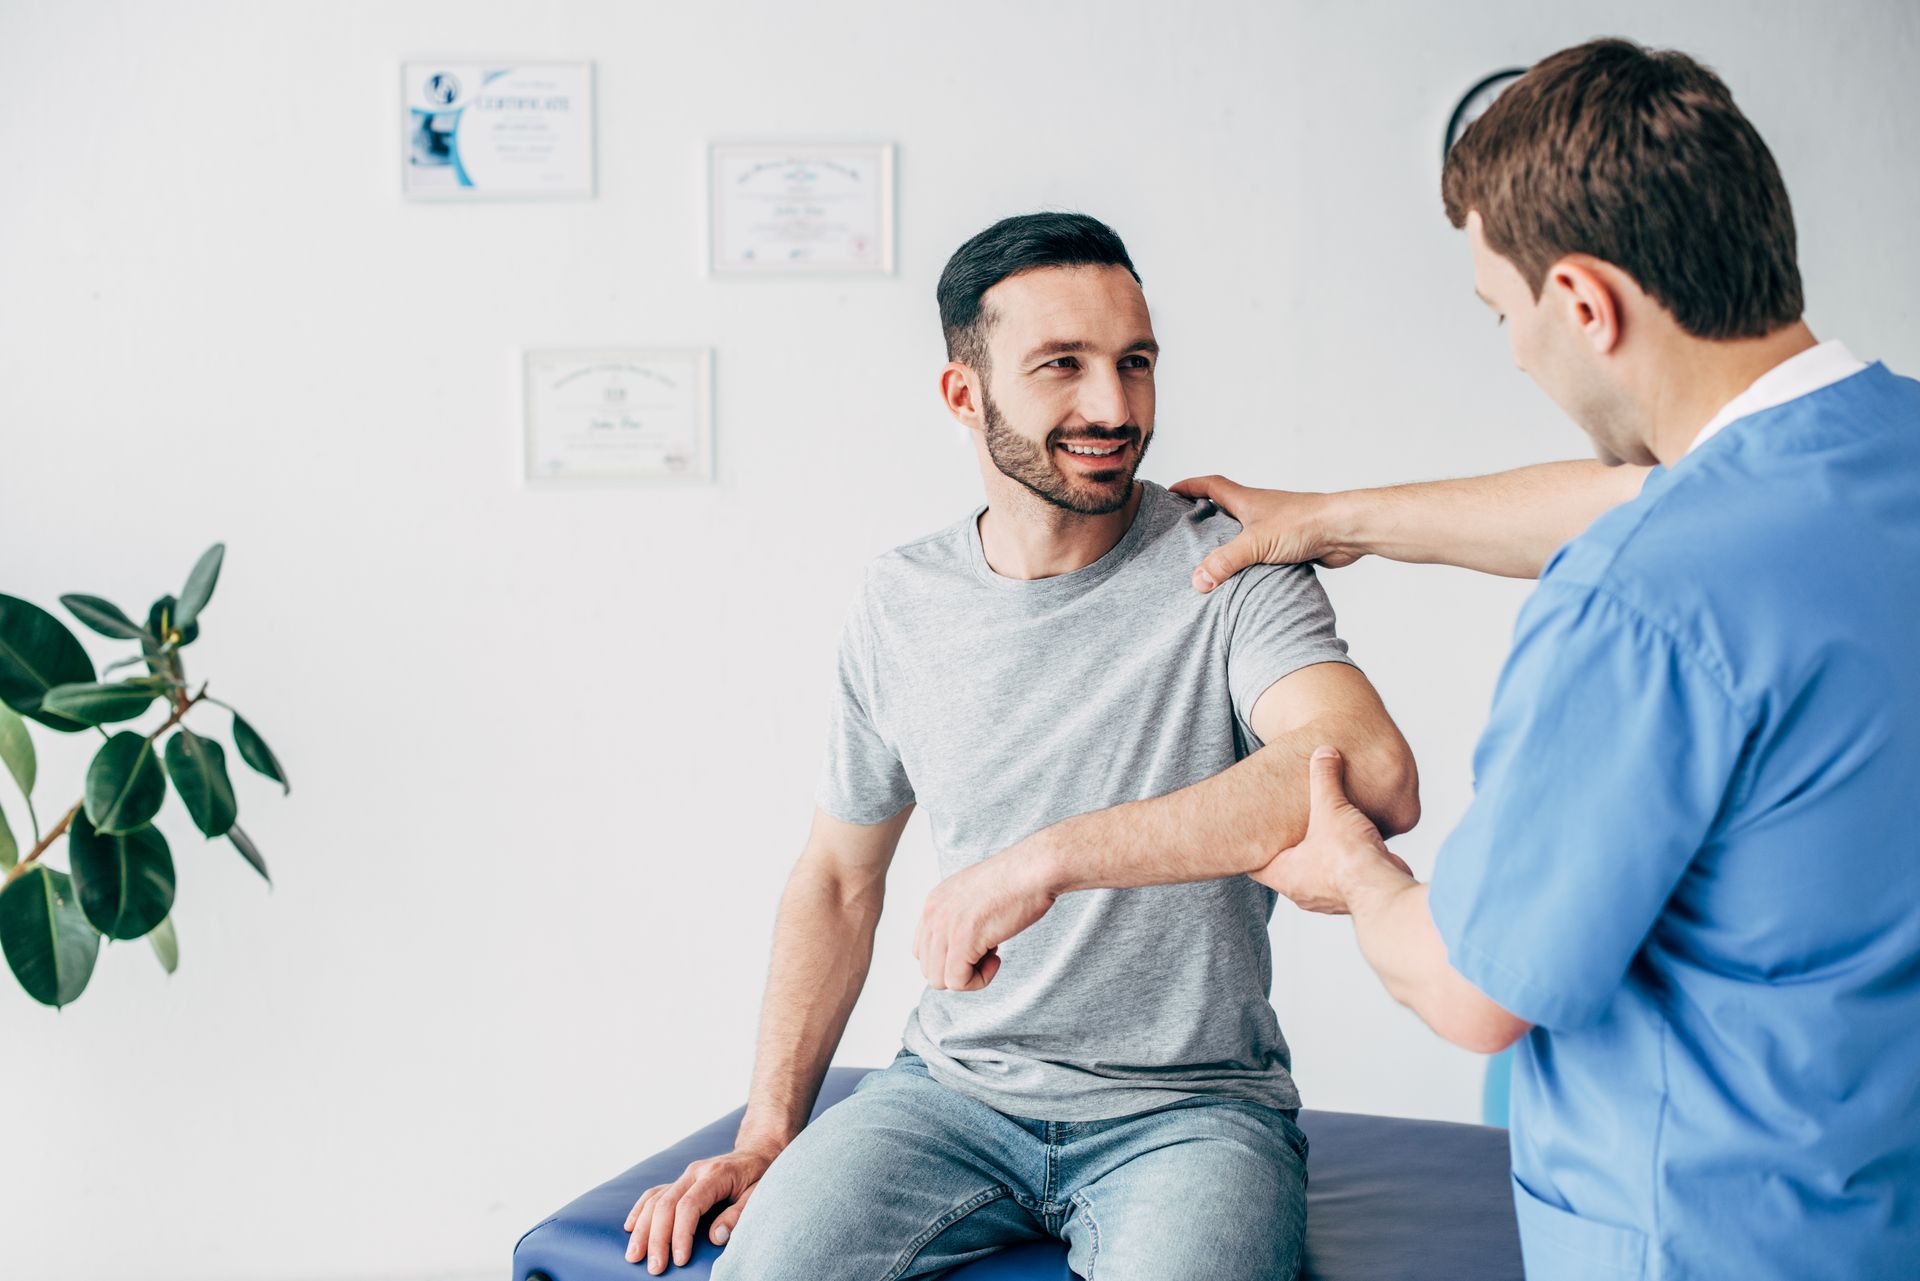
(1115, 1076)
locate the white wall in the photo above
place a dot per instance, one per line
(553, 752)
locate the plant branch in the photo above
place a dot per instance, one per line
(181, 706)
(59, 830)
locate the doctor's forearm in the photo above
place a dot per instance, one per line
(1509, 523)
(1237, 820)
(1400, 941)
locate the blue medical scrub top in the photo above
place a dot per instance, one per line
(1691, 861)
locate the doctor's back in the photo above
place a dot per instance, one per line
(1709, 731)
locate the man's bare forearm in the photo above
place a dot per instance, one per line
(1235, 821)
(1509, 523)
(822, 946)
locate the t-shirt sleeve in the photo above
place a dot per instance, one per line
(1605, 764)
(1280, 621)
(863, 780)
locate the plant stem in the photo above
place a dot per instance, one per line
(181, 704)
(59, 829)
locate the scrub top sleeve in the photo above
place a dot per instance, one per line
(1609, 753)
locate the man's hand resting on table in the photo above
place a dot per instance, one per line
(665, 1218)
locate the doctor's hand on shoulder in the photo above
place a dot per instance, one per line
(1279, 527)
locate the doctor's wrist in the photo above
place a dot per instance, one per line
(1371, 880)
(1345, 521)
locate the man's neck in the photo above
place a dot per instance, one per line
(1025, 536)
(1711, 374)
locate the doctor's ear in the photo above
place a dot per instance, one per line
(1591, 291)
(960, 388)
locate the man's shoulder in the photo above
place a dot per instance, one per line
(1189, 523)
(931, 563)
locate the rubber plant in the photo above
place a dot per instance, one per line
(119, 880)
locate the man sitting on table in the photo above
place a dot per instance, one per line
(1114, 1077)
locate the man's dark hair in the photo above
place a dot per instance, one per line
(1639, 157)
(1009, 247)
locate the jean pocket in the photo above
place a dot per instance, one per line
(905, 1061)
(1560, 1243)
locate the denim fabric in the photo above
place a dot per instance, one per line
(908, 1178)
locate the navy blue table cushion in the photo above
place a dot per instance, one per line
(1387, 1200)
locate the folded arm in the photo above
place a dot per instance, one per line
(1227, 825)
(1235, 821)
(822, 945)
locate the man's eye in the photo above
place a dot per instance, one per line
(1136, 362)
(1063, 362)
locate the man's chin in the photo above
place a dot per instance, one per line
(1099, 493)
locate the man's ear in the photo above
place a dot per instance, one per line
(1590, 289)
(961, 389)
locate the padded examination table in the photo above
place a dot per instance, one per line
(1387, 1200)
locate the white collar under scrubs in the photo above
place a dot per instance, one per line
(1810, 370)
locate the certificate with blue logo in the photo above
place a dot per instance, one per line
(485, 130)
(619, 414)
(806, 207)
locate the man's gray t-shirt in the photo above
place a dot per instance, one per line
(1003, 705)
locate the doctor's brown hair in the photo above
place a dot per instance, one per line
(1640, 158)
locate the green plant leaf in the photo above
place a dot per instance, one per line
(249, 851)
(9, 848)
(166, 945)
(49, 942)
(16, 750)
(37, 652)
(198, 768)
(199, 589)
(124, 784)
(255, 752)
(142, 657)
(104, 616)
(94, 704)
(125, 881)
(161, 620)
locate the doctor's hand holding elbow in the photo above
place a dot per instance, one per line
(1342, 857)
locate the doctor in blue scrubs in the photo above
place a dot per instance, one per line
(1689, 881)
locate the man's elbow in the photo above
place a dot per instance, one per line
(1397, 788)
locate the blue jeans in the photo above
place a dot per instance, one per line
(907, 1178)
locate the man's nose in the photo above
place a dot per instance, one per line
(1103, 399)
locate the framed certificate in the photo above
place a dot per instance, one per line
(799, 208)
(619, 414)
(476, 130)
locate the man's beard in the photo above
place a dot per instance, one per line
(1097, 494)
